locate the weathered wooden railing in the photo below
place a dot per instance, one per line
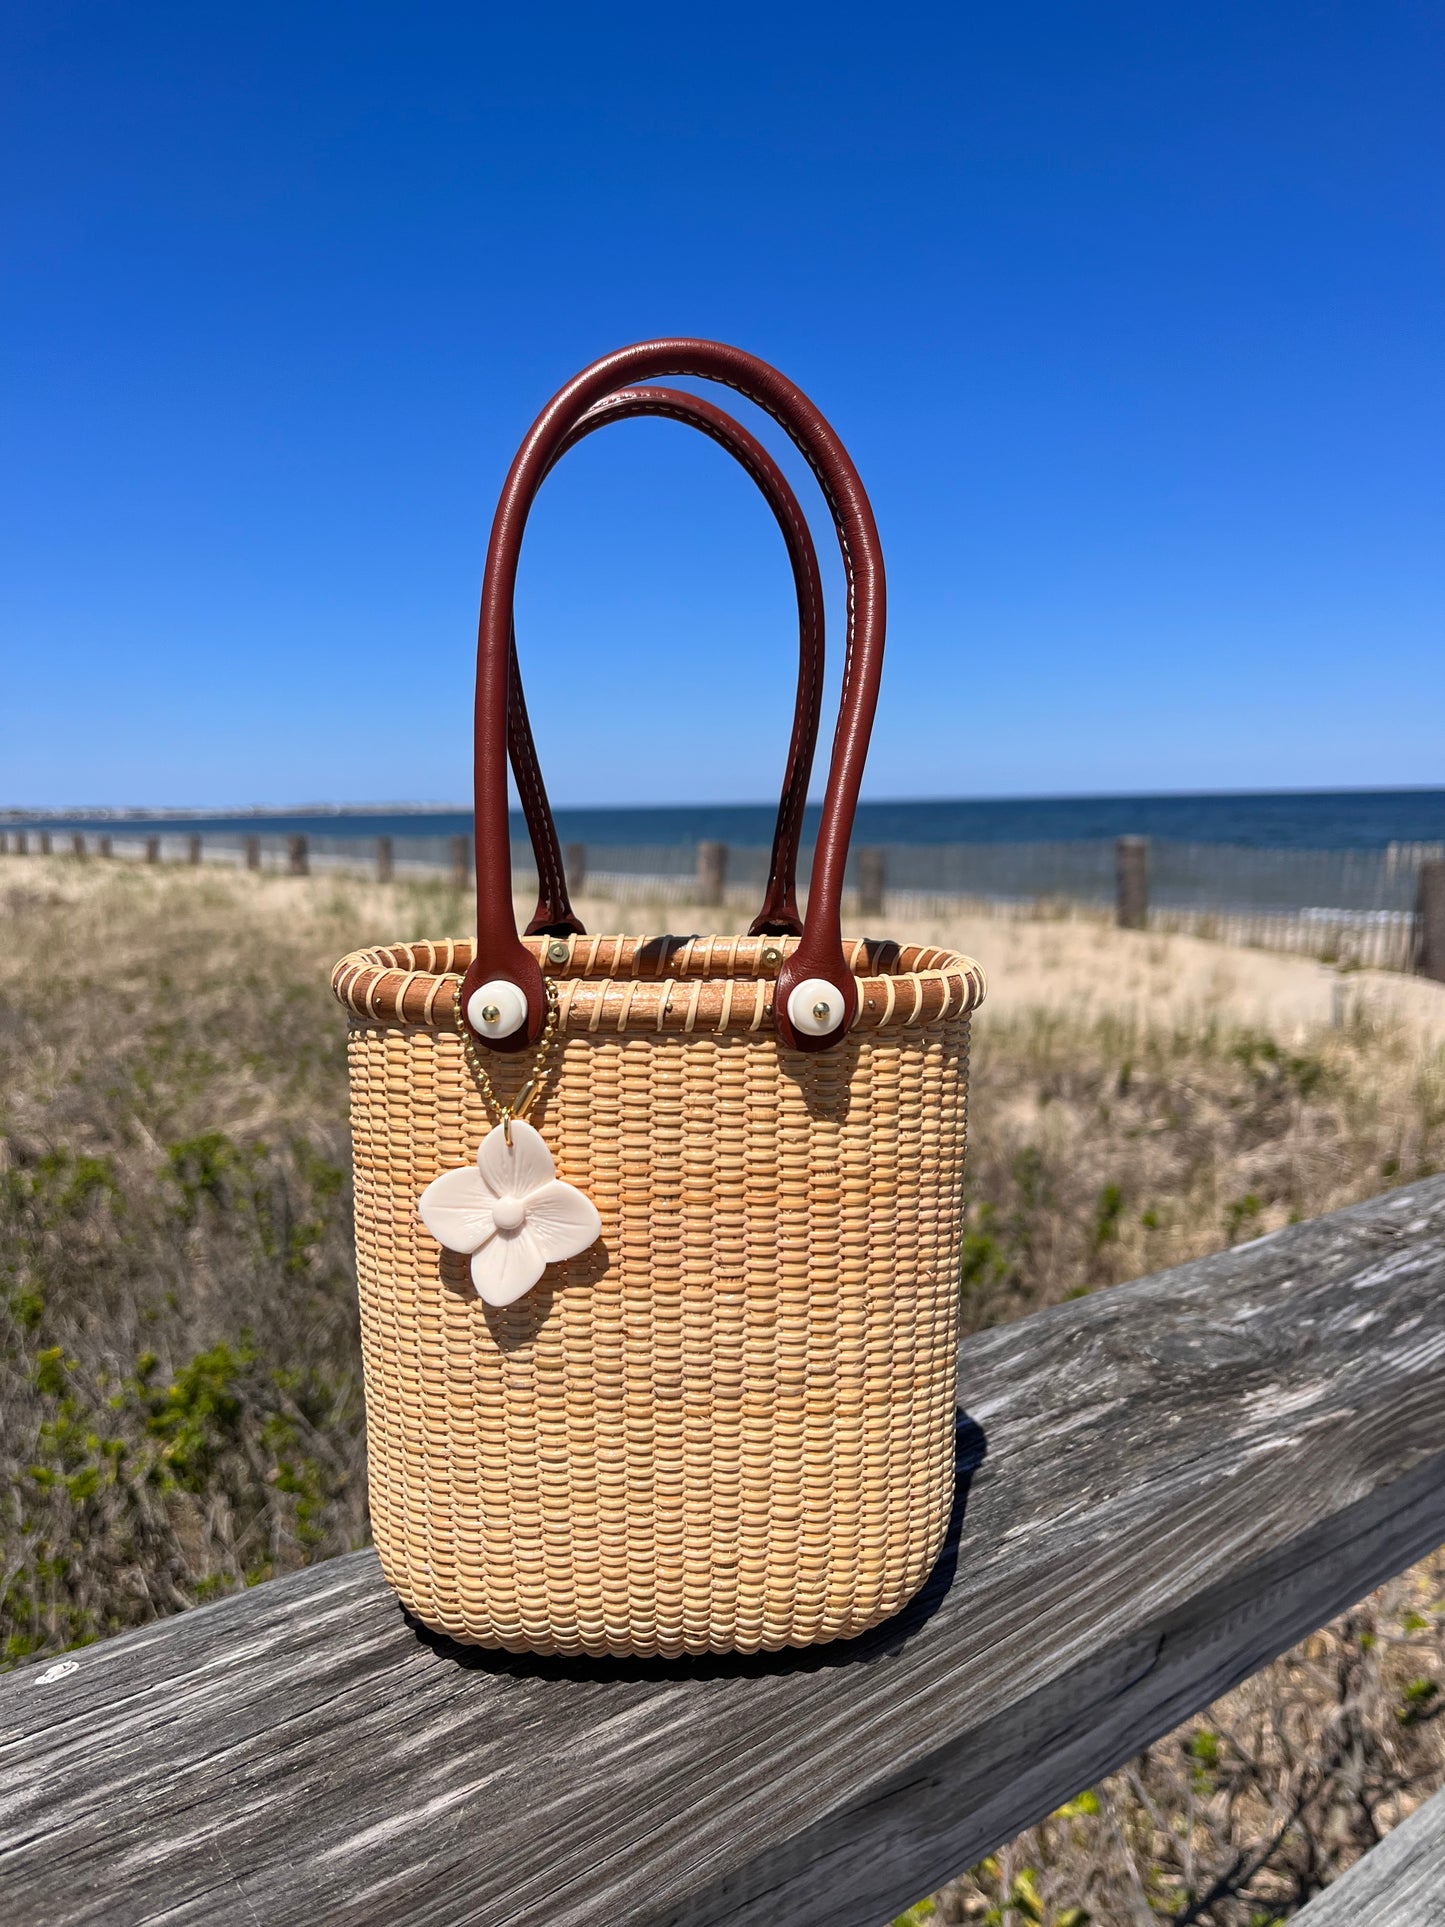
(1161, 1487)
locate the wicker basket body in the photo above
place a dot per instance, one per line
(729, 1424)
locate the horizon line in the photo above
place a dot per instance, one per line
(135, 812)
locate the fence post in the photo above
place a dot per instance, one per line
(870, 883)
(153, 849)
(461, 854)
(102, 845)
(1131, 882)
(296, 852)
(574, 863)
(193, 848)
(22, 843)
(1430, 920)
(712, 872)
(384, 860)
(77, 844)
(4, 842)
(252, 847)
(43, 839)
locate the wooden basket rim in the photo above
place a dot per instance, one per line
(707, 985)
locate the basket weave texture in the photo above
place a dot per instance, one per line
(728, 1426)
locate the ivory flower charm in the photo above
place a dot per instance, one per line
(510, 1212)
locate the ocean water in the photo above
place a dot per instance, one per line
(1278, 820)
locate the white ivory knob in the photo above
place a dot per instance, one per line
(509, 1214)
(496, 1009)
(817, 1007)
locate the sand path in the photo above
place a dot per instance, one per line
(1091, 968)
(1082, 966)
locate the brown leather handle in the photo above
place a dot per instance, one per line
(779, 915)
(500, 953)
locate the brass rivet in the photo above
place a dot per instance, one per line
(490, 1013)
(821, 1010)
(557, 951)
(772, 958)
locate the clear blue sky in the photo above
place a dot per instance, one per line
(1131, 315)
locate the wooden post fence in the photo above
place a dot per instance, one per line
(1430, 921)
(43, 842)
(870, 883)
(252, 847)
(712, 872)
(461, 862)
(77, 845)
(574, 862)
(193, 849)
(153, 849)
(1131, 882)
(385, 864)
(103, 846)
(297, 855)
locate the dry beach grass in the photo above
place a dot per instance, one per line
(180, 1399)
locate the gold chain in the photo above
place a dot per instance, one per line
(531, 1088)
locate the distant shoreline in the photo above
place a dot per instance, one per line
(120, 813)
(1261, 819)
(212, 813)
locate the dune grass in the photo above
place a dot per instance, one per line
(180, 1392)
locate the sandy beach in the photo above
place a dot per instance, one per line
(1082, 967)
(1088, 968)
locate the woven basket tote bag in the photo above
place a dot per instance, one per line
(658, 1237)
